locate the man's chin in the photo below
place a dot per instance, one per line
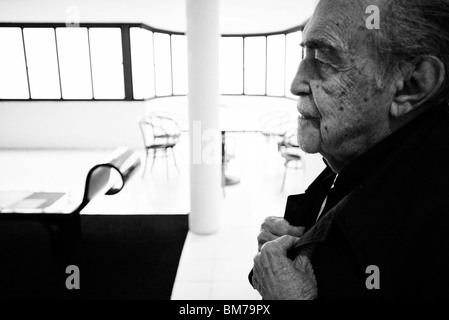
(309, 147)
(310, 150)
(309, 140)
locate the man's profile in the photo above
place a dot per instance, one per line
(374, 103)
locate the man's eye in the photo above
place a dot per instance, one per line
(323, 65)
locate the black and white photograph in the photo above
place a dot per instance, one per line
(223, 154)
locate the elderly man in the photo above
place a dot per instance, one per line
(373, 102)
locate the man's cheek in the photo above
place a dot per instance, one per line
(336, 85)
(309, 136)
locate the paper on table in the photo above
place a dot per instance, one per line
(29, 204)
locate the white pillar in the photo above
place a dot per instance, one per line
(203, 38)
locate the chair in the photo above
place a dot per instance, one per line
(274, 126)
(107, 177)
(160, 133)
(291, 152)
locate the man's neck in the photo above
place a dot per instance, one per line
(338, 163)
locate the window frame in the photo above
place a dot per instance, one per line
(127, 57)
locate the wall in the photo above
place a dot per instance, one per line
(108, 124)
(236, 16)
(70, 124)
(137, 11)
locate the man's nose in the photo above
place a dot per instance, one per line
(301, 83)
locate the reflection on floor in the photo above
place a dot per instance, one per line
(211, 267)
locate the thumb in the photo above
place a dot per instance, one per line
(286, 242)
(295, 231)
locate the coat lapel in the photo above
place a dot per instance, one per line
(320, 231)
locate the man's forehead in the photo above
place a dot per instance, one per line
(320, 35)
(335, 21)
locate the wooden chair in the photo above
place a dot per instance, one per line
(274, 125)
(160, 134)
(291, 152)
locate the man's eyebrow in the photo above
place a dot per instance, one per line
(322, 44)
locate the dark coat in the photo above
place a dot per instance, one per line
(396, 217)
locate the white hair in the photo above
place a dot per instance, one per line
(414, 28)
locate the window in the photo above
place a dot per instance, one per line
(42, 63)
(162, 64)
(231, 65)
(107, 63)
(74, 63)
(179, 62)
(53, 61)
(142, 63)
(293, 59)
(255, 65)
(13, 74)
(276, 65)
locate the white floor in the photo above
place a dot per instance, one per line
(212, 267)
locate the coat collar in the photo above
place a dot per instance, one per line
(320, 231)
(368, 212)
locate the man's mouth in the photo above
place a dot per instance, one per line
(307, 116)
(307, 111)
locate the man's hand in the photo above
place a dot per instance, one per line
(275, 227)
(276, 277)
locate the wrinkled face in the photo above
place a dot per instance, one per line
(342, 111)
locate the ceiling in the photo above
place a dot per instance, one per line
(236, 16)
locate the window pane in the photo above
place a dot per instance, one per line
(13, 77)
(74, 63)
(231, 65)
(42, 63)
(276, 65)
(255, 65)
(179, 60)
(142, 63)
(107, 63)
(293, 56)
(162, 64)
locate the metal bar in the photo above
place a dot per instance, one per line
(90, 64)
(26, 64)
(243, 66)
(57, 60)
(171, 64)
(127, 66)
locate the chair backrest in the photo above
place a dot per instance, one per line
(156, 127)
(274, 123)
(109, 176)
(291, 138)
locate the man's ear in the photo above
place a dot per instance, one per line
(422, 83)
